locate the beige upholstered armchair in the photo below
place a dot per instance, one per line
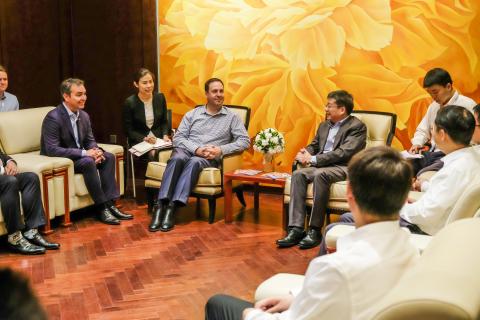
(467, 206)
(380, 131)
(62, 190)
(210, 181)
(443, 284)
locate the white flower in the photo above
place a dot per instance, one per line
(269, 141)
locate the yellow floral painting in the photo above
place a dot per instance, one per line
(282, 57)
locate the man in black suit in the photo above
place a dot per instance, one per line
(67, 132)
(338, 138)
(23, 237)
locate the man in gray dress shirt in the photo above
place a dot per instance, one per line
(8, 102)
(205, 134)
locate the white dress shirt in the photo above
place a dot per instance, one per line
(422, 134)
(431, 211)
(348, 283)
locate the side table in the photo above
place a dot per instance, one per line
(256, 179)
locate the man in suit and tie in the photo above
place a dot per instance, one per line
(67, 132)
(23, 236)
(338, 138)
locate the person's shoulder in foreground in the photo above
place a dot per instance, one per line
(368, 262)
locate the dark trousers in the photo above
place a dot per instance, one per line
(28, 185)
(347, 219)
(181, 175)
(431, 161)
(99, 178)
(321, 178)
(223, 307)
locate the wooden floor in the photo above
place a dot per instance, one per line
(127, 272)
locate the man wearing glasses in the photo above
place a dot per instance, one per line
(337, 139)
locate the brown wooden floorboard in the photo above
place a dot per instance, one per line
(127, 272)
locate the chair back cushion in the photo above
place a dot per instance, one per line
(468, 205)
(25, 124)
(242, 112)
(380, 126)
(445, 282)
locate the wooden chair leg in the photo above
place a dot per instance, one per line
(241, 198)
(197, 208)
(327, 216)
(212, 203)
(151, 200)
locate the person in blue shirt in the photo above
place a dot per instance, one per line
(8, 102)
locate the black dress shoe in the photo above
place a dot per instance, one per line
(311, 240)
(42, 242)
(157, 217)
(25, 247)
(293, 237)
(119, 214)
(168, 221)
(107, 217)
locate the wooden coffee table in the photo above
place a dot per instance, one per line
(229, 177)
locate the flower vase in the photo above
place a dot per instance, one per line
(268, 162)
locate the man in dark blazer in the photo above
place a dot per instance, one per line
(337, 139)
(23, 236)
(67, 132)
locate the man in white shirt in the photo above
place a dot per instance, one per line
(368, 262)
(8, 102)
(438, 83)
(452, 131)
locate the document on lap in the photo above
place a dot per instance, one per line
(407, 155)
(143, 147)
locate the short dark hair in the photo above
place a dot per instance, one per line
(140, 73)
(66, 85)
(207, 83)
(380, 179)
(343, 99)
(476, 110)
(437, 76)
(457, 122)
(2, 68)
(17, 300)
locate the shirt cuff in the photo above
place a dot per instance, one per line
(313, 160)
(84, 153)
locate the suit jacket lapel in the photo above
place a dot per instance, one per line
(66, 119)
(339, 137)
(322, 135)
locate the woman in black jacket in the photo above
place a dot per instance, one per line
(145, 113)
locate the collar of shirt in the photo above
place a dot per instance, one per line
(452, 156)
(71, 114)
(222, 111)
(338, 123)
(3, 97)
(368, 231)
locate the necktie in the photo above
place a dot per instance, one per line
(75, 128)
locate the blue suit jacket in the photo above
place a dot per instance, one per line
(58, 139)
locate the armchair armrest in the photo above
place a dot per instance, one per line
(164, 154)
(232, 162)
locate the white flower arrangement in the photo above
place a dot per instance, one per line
(269, 141)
